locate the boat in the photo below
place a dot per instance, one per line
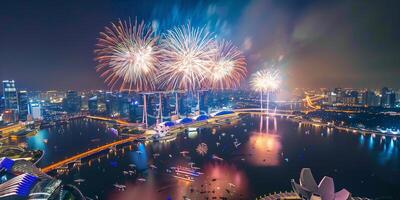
(141, 179)
(232, 185)
(132, 165)
(156, 155)
(185, 178)
(131, 172)
(79, 181)
(153, 167)
(186, 171)
(120, 187)
(217, 158)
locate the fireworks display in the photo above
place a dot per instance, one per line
(131, 57)
(128, 56)
(187, 57)
(229, 66)
(265, 80)
(202, 149)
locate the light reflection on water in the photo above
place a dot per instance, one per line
(265, 149)
(261, 148)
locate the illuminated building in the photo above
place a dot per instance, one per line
(369, 98)
(10, 100)
(35, 110)
(388, 99)
(93, 105)
(166, 106)
(134, 113)
(20, 179)
(308, 188)
(203, 102)
(22, 105)
(9, 116)
(123, 104)
(1, 103)
(10, 95)
(72, 102)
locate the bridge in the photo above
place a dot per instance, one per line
(88, 153)
(118, 121)
(271, 112)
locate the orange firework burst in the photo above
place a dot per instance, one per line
(128, 56)
(202, 149)
(228, 68)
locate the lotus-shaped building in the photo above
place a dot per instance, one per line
(325, 190)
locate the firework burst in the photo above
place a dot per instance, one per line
(265, 80)
(187, 57)
(229, 66)
(127, 56)
(202, 149)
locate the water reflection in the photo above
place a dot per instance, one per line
(264, 147)
(371, 143)
(139, 157)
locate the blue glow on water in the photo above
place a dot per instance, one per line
(139, 157)
(361, 140)
(371, 143)
(37, 142)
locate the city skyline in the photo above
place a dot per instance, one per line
(345, 50)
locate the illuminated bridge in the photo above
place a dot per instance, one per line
(272, 112)
(107, 119)
(88, 153)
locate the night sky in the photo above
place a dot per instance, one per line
(49, 44)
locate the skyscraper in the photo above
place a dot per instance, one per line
(22, 105)
(72, 102)
(93, 105)
(166, 107)
(35, 110)
(203, 102)
(369, 98)
(10, 95)
(388, 99)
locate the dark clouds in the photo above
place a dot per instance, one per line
(49, 44)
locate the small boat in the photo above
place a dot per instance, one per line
(153, 167)
(132, 165)
(131, 172)
(232, 185)
(79, 181)
(120, 187)
(217, 158)
(141, 179)
(185, 178)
